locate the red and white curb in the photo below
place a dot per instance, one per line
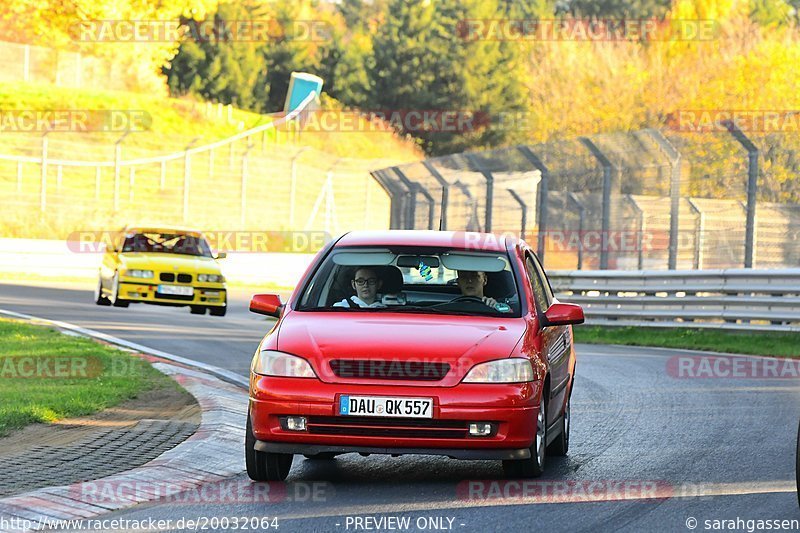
(213, 453)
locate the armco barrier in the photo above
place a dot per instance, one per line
(732, 299)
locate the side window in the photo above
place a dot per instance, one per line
(539, 293)
(547, 289)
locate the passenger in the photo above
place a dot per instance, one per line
(472, 284)
(366, 283)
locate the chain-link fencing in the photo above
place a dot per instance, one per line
(648, 199)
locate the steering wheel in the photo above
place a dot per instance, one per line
(467, 299)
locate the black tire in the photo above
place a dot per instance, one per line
(560, 446)
(218, 310)
(197, 309)
(99, 297)
(263, 466)
(534, 465)
(116, 301)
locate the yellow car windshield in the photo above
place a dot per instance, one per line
(169, 243)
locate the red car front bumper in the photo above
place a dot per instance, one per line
(511, 408)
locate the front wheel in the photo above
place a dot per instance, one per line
(534, 465)
(197, 309)
(218, 311)
(116, 301)
(560, 446)
(264, 466)
(99, 297)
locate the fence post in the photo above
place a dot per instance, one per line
(700, 228)
(117, 167)
(524, 208)
(97, 183)
(131, 184)
(489, 190)
(187, 176)
(26, 63)
(445, 193)
(639, 240)
(43, 198)
(607, 176)
(293, 184)
(411, 214)
(581, 216)
(245, 175)
(674, 192)
(544, 185)
(752, 190)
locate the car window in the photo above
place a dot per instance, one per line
(173, 243)
(545, 282)
(413, 280)
(538, 288)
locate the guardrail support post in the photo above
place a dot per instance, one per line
(541, 208)
(752, 191)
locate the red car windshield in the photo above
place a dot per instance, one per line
(413, 280)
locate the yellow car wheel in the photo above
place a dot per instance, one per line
(116, 301)
(99, 297)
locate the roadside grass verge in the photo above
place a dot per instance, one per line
(777, 344)
(46, 375)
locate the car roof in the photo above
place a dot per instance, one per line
(160, 229)
(464, 240)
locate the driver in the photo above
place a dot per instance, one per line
(472, 284)
(366, 283)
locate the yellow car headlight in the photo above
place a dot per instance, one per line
(138, 273)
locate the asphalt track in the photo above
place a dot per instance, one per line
(678, 449)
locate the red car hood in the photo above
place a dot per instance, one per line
(400, 339)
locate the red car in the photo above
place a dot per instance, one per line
(414, 342)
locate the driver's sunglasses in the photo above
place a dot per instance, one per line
(362, 282)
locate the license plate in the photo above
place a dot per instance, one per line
(176, 290)
(386, 406)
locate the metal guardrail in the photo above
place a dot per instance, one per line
(742, 299)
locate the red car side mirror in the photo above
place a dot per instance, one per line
(560, 314)
(266, 304)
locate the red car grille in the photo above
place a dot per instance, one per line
(388, 427)
(379, 369)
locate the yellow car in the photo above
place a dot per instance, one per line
(162, 266)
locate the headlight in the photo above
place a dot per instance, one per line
(272, 363)
(212, 278)
(136, 273)
(514, 370)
